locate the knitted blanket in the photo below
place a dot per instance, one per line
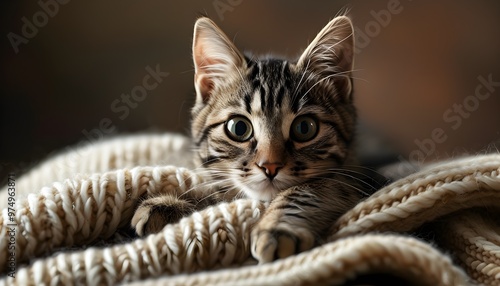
(67, 226)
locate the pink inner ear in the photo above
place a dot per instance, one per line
(215, 58)
(205, 86)
(202, 77)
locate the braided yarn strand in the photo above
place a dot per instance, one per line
(424, 196)
(473, 236)
(78, 212)
(336, 262)
(103, 156)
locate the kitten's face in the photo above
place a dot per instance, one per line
(262, 126)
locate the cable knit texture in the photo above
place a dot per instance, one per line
(72, 210)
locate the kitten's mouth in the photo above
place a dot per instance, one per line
(264, 190)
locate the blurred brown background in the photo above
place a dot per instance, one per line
(417, 63)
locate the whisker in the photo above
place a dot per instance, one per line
(342, 73)
(301, 78)
(369, 169)
(318, 82)
(351, 174)
(360, 181)
(349, 185)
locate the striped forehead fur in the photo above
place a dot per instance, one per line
(270, 84)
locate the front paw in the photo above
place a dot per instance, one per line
(154, 214)
(279, 241)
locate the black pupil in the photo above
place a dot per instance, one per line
(304, 127)
(240, 128)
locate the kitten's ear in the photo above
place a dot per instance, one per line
(331, 54)
(215, 58)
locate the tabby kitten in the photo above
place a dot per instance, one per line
(272, 130)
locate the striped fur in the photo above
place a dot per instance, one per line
(305, 180)
(271, 98)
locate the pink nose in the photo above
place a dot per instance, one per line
(271, 169)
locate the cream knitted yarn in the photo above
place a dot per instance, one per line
(217, 237)
(114, 153)
(421, 197)
(335, 263)
(78, 210)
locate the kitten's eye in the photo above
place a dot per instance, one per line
(304, 128)
(239, 129)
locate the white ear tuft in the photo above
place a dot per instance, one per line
(215, 57)
(331, 53)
